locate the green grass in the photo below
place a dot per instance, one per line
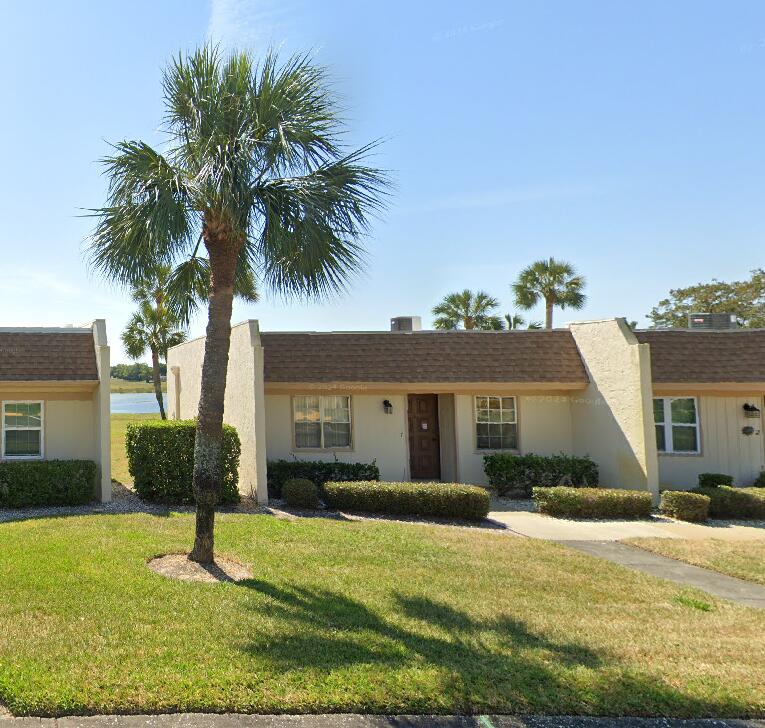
(356, 616)
(742, 559)
(123, 386)
(120, 471)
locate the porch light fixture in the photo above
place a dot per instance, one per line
(748, 430)
(751, 410)
(388, 407)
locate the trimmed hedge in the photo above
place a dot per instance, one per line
(520, 473)
(711, 480)
(47, 483)
(593, 502)
(444, 500)
(685, 506)
(161, 461)
(759, 481)
(300, 493)
(318, 472)
(734, 503)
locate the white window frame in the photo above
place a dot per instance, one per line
(5, 429)
(514, 422)
(669, 445)
(321, 397)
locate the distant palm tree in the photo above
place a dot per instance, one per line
(255, 173)
(467, 310)
(553, 281)
(516, 321)
(153, 326)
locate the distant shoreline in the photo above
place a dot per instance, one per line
(123, 386)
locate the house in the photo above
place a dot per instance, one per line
(652, 408)
(54, 396)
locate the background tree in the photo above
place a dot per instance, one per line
(553, 281)
(516, 321)
(253, 172)
(153, 327)
(745, 299)
(467, 310)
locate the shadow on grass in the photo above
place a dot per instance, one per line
(482, 665)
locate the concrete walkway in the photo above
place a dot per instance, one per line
(727, 587)
(196, 720)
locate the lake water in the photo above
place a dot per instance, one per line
(136, 403)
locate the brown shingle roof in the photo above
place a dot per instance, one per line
(47, 356)
(425, 356)
(706, 356)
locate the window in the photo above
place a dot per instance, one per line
(496, 423)
(677, 424)
(22, 429)
(322, 422)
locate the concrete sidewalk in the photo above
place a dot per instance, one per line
(196, 720)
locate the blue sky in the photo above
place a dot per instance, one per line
(624, 137)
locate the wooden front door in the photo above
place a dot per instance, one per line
(424, 444)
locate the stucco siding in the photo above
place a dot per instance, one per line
(724, 448)
(375, 434)
(70, 429)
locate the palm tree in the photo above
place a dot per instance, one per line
(254, 172)
(153, 326)
(553, 281)
(516, 321)
(468, 310)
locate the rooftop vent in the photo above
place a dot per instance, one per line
(406, 323)
(712, 321)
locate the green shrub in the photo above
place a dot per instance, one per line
(759, 481)
(47, 483)
(520, 473)
(161, 461)
(317, 471)
(593, 502)
(445, 500)
(734, 503)
(300, 493)
(711, 480)
(685, 506)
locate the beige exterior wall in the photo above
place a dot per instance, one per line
(724, 448)
(244, 406)
(612, 420)
(375, 434)
(101, 407)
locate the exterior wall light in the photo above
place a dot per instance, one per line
(388, 407)
(751, 410)
(748, 430)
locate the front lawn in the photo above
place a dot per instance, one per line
(743, 559)
(357, 616)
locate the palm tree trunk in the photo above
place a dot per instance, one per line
(157, 381)
(223, 248)
(549, 313)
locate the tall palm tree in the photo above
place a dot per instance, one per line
(555, 282)
(153, 327)
(254, 172)
(467, 310)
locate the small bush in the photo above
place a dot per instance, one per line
(593, 502)
(444, 500)
(47, 483)
(161, 461)
(734, 503)
(300, 493)
(759, 481)
(711, 480)
(520, 473)
(318, 472)
(685, 506)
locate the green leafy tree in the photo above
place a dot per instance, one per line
(153, 327)
(745, 299)
(555, 282)
(254, 172)
(467, 310)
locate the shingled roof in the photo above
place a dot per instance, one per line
(680, 355)
(53, 355)
(423, 356)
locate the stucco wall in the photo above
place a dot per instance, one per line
(612, 419)
(243, 404)
(724, 448)
(544, 428)
(376, 435)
